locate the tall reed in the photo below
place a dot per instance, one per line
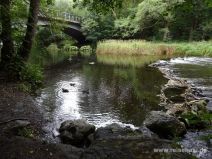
(141, 47)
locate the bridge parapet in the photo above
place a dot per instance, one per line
(69, 17)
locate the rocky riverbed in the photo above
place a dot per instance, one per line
(189, 102)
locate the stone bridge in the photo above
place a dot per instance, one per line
(71, 23)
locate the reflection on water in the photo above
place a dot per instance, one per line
(126, 60)
(101, 93)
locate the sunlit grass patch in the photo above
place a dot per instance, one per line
(141, 47)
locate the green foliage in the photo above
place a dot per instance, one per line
(124, 28)
(153, 20)
(42, 37)
(86, 51)
(31, 77)
(100, 6)
(97, 27)
(26, 132)
(19, 14)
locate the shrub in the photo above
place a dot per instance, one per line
(31, 77)
(86, 50)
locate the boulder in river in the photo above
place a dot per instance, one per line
(76, 132)
(164, 125)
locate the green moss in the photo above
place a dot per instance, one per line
(26, 132)
(198, 120)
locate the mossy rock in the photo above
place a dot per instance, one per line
(197, 121)
(198, 105)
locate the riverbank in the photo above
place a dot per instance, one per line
(141, 47)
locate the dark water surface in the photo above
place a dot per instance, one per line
(101, 93)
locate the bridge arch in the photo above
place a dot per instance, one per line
(71, 23)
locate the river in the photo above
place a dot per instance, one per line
(117, 90)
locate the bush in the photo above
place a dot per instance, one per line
(86, 50)
(31, 77)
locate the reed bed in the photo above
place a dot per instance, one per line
(141, 47)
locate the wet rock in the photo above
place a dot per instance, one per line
(177, 84)
(166, 126)
(159, 64)
(14, 127)
(112, 131)
(177, 109)
(65, 90)
(175, 90)
(177, 98)
(76, 132)
(21, 123)
(147, 133)
(198, 105)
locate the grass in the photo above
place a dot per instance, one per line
(141, 47)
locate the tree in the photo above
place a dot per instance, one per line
(155, 15)
(7, 50)
(190, 19)
(31, 28)
(101, 6)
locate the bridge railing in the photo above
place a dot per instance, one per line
(64, 16)
(69, 17)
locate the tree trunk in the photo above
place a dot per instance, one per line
(26, 46)
(7, 50)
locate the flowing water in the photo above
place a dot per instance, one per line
(121, 90)
(198, 73)
(101, 93)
